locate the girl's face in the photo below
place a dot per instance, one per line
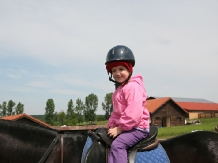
(120, 73)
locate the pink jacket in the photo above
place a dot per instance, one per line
(128, 106)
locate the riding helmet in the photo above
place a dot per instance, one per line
(120, 53)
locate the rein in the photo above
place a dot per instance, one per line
(51, 146)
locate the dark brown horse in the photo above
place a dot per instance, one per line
(23, 143)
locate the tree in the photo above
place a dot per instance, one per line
(62, 117)
(107, 106)
(55, 121)
(19, 108)
(3, 109)
(10, 108)
(79, 110)
(49, 111)
(70, 110)
(7, 109)
(100, 118)
(71, 116)
(91, 104)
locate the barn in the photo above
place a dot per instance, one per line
(25, 119)
(196, 108)
(200, 110)
(165, 112)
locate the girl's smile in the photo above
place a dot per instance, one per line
(120, 73)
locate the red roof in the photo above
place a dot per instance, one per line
(154, 104)
(195, 106)
(20, 116)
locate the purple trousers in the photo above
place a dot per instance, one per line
(118, 149)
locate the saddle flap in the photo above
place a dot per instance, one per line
(104, 136)
(150, 139)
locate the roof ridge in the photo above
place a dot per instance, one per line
(19, 116)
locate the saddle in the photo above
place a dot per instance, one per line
(98, 151)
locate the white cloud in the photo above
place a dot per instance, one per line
(39, 84)
(66, 42)
(67, 92)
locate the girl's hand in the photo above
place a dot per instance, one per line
(114, 132)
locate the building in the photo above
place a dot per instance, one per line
(200, 110)
(196, 108)
(26, 119)
(165, 112)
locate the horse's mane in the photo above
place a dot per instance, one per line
(17, 129)
(19, 136)
(21, 142)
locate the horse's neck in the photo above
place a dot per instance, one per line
(73, 143)
(25, 143)
(22, 143)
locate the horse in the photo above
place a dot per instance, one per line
(25, 143)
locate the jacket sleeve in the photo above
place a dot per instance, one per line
(111, 121)
(135, 98)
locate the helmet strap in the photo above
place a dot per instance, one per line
(117, 84)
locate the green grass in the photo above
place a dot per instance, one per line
(94, 123)
(101, 122)
(207, 124)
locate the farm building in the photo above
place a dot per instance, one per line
(165, 112)
(200, 110)
(196, 108)
(26, 119)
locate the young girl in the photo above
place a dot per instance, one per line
(129, 120)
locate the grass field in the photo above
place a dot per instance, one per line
(207, 124)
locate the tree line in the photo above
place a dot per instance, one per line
(11, 108)
(82, 111)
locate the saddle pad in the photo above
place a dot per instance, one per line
(86, 147)
(157, 155)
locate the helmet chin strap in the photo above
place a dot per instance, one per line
(117, 84)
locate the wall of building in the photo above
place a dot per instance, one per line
(208, 114)
(193, 115)
(168, 115)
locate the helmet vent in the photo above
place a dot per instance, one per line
(126, 50)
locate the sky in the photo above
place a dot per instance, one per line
(57, 49)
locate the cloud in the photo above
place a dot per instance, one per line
(56, 49)
(39, 84)
(67, 92)
(13, 73)
(14, 76)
